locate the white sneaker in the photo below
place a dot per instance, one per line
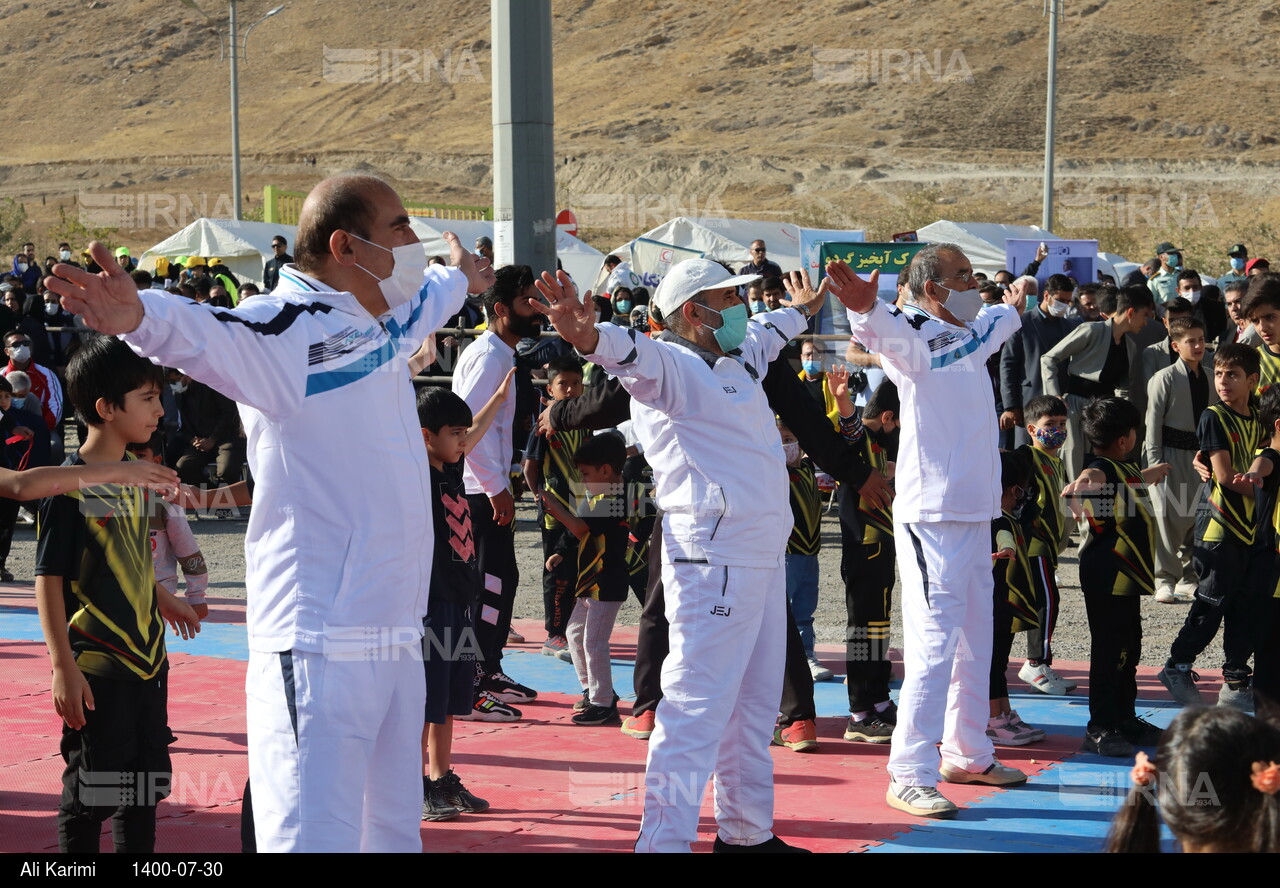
(1015, 721)
(1042, 679)
(818, 671)
(1004, 734)
(1066, 682)
(996, 774)
(1186, 589)
(922, 801)
(1165, 594)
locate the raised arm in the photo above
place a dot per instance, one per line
(481, 421)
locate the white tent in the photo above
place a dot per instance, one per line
(244, 247)
(727, 240)
(579, 259)
(982, 242)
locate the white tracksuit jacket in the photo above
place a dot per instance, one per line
(335, 558)
(948, 456)
(713, 442)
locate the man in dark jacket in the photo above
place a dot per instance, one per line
(1043, 327)
(211, 430)
(271, 271)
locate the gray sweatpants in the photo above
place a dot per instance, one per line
(589, 629)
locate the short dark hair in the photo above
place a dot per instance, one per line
(438, 407)
(1107, 298)
(107, 369)
(141, 278)
(5, 384)
(757, 284)
(249, 285)
(279, 240)
(1241, 285)
(1264, 290)
(1136, 297)
(1057, 283)
(1107, 420)
(1042, 406)
(1004, 271)
(509, 282)
(640, 295)
(602, 450)
(883, 399)
(1269, 412)
(1015, 470)
(14, 332)
(773, 283)
(155, 444)
(611, 260)
(1189, 274)
(342, 206)
(562, 364)
(1179, 305)
(202, 285)
(1237, 354)
(1180, 327)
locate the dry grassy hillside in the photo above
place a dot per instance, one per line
(881, 114)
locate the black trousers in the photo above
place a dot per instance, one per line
(1001, 646)
(1266, 661)
(8, 521)
(1115, 644)
(1048, 598)
(499, 576)
(797, 681)
(117, 767)
(652, 643)
(1228, 596)
(557, 585)
(867, 572)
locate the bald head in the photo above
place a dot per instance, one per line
(345, 202)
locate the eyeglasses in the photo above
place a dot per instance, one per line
(18, 342)
(758, 250)
(965, 277)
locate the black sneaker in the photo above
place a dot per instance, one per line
(773, 846)
(598, 715)
(5, 576)
(890, 714)
(1106, 741)
(434, 805)
(872, 729)
(507, 689)
(583, 704)
(488, 708)
(1140, 732)
(456, 794)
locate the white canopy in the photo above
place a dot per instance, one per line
(579, 259)
(727, 240)
(244, 247)
(982, 242)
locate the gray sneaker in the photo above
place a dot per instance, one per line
(922, 801)
(1181, 682)
(1241, 699)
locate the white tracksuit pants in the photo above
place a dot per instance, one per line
(1175, 503)
(721, 686)
(947, 591)
(335, 755)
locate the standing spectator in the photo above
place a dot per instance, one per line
(1238, 255)
(26, 268)
(1256, 266)
(124, 260)
(816, 382)
(480, 370)
(1206, 303)
(1161, 354)
(760, 263)
(1163, 284)
(59, 340)
(211, 429)
(65, 256)
(1043, 327)
(484, 246)
(271, 270)
(44, 384)
(1084, 304)
(1239, 330)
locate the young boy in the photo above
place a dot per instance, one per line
(1015, 605)
(1116, 567)
(1262, 308)
(600, 533)
(1177, 396)
(867, 565)
(1227, 559)
(449, 643)
(103, 614)
(1266, 657)
(171, 535)
(803, 545)
(548, 466)
(1044, 527)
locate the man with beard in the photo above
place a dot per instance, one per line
(481, 369)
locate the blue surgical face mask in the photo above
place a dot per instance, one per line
(733, 329)
(624, 306)
(758, 307)
(1174, 260)
(1237, 264)
(812, 368)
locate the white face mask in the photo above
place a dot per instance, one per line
(51, 308)
(1056, 309)
(22, 267)
(407, 274)
(21, 353)
(64, 255)
(791, 452)
(964, 304)
(1193, 297)
(177, 387)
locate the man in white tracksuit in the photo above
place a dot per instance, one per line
(707, 431)
(336, 567)
(948, 481)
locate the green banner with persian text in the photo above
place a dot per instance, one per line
(866, 258)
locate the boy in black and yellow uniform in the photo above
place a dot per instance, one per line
(1015, 608)
(1226, 555)
(867, 568)
(1262, 308)
(1044, 527)
(1117, 565)
(548, 466)
(1266, 656)
(103, 615)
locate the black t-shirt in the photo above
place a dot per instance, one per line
(602, 553)
(455, 576)
(1116, 369)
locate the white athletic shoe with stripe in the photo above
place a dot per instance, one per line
(922, 801)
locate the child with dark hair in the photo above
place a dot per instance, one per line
(1213, 782)
(1044, 527)
(1116, 567)
(108, 654)
(600, 533)
(548, 466)
(1262, 473)
(1262, 308)
(449, 643)
(1226, 556)
(1015, 607)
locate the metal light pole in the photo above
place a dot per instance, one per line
(1054, 8)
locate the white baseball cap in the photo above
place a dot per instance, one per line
(690, 278)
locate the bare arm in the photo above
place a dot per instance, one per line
(48, 481)
(858, 356)
(572, 523)
(1225, 475)
(1261, 468)
(71, 693)
(532, 474)
(218, 498)
(1090, 481)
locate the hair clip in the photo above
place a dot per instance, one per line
(1266, 777)
(1144, 772)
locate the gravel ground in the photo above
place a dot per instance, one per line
(223, 545)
